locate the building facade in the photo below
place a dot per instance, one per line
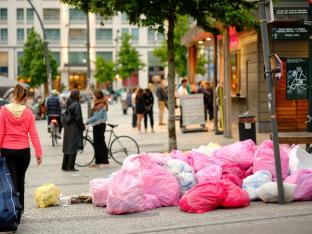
(66, 33)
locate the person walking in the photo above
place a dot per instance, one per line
(98, 121)
(123, 99)
(17, 125)
(54, 110)
(203, 89)
(210, 101)
(162, 98)
(182, 91)
(134, 114)
(149, 104)
(139, 108)
(73, 131)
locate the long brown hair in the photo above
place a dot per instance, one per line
(19, 93)
(100, 101)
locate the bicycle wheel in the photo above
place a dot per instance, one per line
(53, 135)
(85, 156)
(123, 146)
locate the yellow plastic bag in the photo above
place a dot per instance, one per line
(47, 195)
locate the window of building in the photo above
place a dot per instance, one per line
(30, 16)
(3, 15)
(135, 35)
(20, 34)
(53, 35)
(20, 15)
(124, 18)
(106, 55)
(235, 74)
(150, 36)
(77, 58)
(104, 20)
(51, 16)
(4, 64)
(4, 35)
(77, 35)
(57, 56)
(77, 16)
(124, 31)
(104, 35)
(18, 55)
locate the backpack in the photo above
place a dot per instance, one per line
(66, 116)
(10, 208)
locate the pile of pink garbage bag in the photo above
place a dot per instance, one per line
(204, 179)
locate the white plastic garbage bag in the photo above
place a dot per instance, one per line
(299, 159)
(268, 192)
(252, 182)
(207, 149)
(183, 172)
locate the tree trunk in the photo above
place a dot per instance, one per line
(215, 81)
(227, 85)
(171, 75)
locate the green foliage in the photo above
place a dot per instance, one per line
(105, 70)
(200, 65)
(128, 58)
(32, 62)
(180, 58)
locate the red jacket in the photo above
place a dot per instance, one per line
(16, 131)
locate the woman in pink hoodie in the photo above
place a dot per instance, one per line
(17, 125)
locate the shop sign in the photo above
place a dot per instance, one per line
(296, 78)
(290, 33)
(278, 11)
(193, 109)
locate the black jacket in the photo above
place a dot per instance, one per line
(73, 131)
(53, 105)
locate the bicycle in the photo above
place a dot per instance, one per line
(54, 128)
(118, 147)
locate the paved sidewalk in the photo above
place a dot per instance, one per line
(258, 218)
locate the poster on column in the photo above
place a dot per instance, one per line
(296, 78)
(193, 109)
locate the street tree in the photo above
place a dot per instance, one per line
(128, 58)
(31, 63)
(180, 58)
(200, 65)
(161, 14)
(105, 70)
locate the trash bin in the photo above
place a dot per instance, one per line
(247, 127)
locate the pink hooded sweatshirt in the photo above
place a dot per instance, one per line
(17, 125)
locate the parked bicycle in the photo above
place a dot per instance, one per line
(54, 128)
(119, 147)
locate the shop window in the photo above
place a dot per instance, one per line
(106, 55)
(77, 81)
(4, 64)
(235, 74)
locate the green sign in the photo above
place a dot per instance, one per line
(296, 78)
(290, 11)
(290, 33)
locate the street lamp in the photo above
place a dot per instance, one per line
(46, 51)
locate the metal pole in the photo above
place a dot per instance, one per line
(88, 65)
(215, 81)
(271, 99)
(46, 50)
(309, 122)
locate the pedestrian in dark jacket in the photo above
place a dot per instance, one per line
(98, 121)
(73, 132)
(149, 103)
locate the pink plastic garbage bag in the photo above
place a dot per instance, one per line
(125, 193)
(303, 180)
(203, 197)
(234, 174)
(240, 153)
(177, 154)
(212, 172)
(198, 160)
(264, 159)
(235, 197)
(158, 181)
(99, 191)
